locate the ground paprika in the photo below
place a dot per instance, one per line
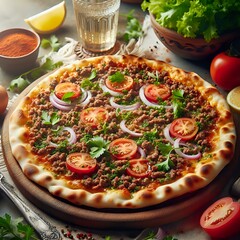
(17, 44)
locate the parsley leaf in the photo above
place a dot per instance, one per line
(155, 77)
(169, 238)
(149, 136)
(15, 229)
(87, 82)
(52, 42)
(166, 150)
(93, 74)
(133, 28)
(50, 120)
(66, 97)
(98, 146)
(178, 103)
(18, 84)
(116, 77)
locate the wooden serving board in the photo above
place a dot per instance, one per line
(167, 212)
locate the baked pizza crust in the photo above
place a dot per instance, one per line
(205, 171)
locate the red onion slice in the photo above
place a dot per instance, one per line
(59, 101)
(107, 90)
(52, 144)
(87, 99)
(127, 130)
(142, 153)
(124, 107)
(177, 144)
(84, 95)
(59, 106)
(148, 103)
(73, 138)
(167, 134)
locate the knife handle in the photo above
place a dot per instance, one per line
(235, 189)
(42, 227)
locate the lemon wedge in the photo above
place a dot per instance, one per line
(233, 98)
(49, 20)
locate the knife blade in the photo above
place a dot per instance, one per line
(42, 227)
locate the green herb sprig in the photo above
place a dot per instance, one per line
(133, 28)
(52, 42)
(178, 102)
(18, 84)
(50, 120)
(166, 150)
(117, 77)
(87, 83)
(98, 146)
(15, 229)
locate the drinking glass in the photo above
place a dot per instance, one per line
(97, 22)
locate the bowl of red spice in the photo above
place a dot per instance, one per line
(19, 50)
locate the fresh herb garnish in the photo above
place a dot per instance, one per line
(166, 150)
(52, 42)
(149, 136)
(40, 143)
(178, 102)
(169, 238)
(67, 96)
(126, 115)
(50, 119)
(98, 146)
(155, 77)
(117, 77)
(87, 83)
(17, 85)
(15, 229)
(133, 28)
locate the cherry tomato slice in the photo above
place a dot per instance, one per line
(222, 218)
(81, 163)
(184, 128)
(138, 168)
(155, 92)
(121, 86)
(123, 148)
(94, 116)
(67, 87)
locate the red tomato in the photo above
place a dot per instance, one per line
(155, 92)
(123, 148)
(94, 116)
(121, 86)
(138, 168)
(67, 87)
(222, 218)
(184, 128)
(224, 71)
(81, 163)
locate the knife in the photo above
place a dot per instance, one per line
(42, 227)
(235, 189)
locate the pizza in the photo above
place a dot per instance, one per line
(121, 131)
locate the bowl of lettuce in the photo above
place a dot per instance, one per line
(194, 29)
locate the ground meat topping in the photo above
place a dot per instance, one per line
(164, 165)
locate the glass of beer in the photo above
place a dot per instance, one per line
(97, 22)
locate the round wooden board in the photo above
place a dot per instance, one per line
(168, 212)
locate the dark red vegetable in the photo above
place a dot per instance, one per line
(224, 68)
(222, 218)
